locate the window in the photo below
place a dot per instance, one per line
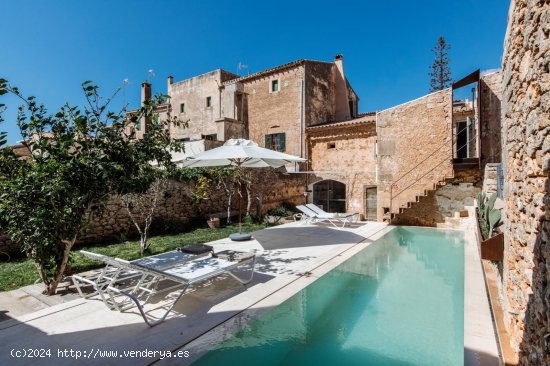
(138, 126)
(182, 108)
(274, 85)
(208, 102)
(352, 108)
(331, 145)
(275, 141)
(212, 137)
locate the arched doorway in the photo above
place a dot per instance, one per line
(330, 195)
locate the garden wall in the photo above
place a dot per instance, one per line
(175, 207)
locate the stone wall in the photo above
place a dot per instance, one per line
(490, 179)
(431, 210)
(276, 112)
(176, 206)
(491, 94)
(412, 149)
(345, 152)
(526, 158)
(193, 93)
(319, 95)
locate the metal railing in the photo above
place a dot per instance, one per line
(431, 154)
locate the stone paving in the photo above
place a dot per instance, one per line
(285, 253)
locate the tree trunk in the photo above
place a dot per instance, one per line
(51, 288)
(248, 200)
(229, 208)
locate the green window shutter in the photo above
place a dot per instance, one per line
(267, 141)
(282, 142)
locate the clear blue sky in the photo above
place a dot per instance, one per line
(48, 48)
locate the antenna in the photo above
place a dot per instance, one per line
(125, 83)
(241, 66)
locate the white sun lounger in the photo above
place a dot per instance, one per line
(115, 271)
(334, 219)
(183, 270)
(354, 216)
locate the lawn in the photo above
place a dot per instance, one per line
(22, 272)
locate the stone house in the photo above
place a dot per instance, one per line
(272, 107)
(355, 162)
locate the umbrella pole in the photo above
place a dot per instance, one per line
(240, 197)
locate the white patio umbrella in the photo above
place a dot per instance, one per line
(239, 153)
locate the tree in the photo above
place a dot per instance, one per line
(78, 157)
(141, 208)
(440, 71)
(225, 178)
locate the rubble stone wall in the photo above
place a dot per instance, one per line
(526, 158)
(176, 207)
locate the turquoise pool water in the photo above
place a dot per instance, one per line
(399, 301)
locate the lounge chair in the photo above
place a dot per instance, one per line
(181, 269)
(112, 273)
(334, 219)
(354, 216)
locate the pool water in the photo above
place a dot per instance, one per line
(400, 301)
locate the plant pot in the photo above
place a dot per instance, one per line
(493, 248)
(213, 223)
(272, 219)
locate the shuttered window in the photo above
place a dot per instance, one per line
(276, 141)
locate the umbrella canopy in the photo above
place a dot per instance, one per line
(241, 153)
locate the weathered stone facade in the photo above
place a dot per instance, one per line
(490, 179)
(414, 149)
(188, 101)
(490, 94)
(344, 152)
(526, 158)
(276, 112)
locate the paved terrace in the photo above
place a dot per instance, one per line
(285, 254)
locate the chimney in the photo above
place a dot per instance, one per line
(145, 96)
(170, 81)
(145, 92)
(342, 112)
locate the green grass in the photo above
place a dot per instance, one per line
(22, 272)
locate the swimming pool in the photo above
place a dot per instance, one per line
(400, 301)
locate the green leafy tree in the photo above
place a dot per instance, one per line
(440, 74)
(78, 157)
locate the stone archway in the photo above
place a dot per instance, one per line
(330, 195)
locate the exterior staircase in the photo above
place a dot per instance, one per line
(419, 195)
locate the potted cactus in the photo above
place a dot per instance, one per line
(489, 219)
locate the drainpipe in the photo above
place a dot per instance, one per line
(301, 117)
(302, 130)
